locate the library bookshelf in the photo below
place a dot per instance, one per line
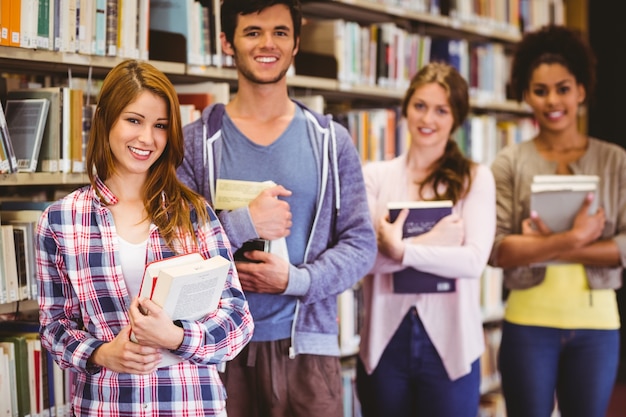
(335, 72)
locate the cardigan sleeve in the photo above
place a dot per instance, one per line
(469, 259)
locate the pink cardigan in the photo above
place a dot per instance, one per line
(453, 320)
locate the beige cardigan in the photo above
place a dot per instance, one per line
(513, 170)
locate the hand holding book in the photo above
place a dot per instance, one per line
(422, 218)
(448, 231)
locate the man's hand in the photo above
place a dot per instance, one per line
(268, 274)
(271, 216)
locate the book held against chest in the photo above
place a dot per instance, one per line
(423, 215)
(557, 198)
(187, 287)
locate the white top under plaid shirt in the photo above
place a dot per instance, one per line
(84, 303)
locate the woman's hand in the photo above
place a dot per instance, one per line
(389, 236)
(152, 326)
(123, 356)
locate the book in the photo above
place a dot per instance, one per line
(187, 287)
(233, 194)
(557, 198)
(204, 93)
(8, 380)
(21, 235)
(177, 17)
(26, 121)
(423, 215)
(50, 149)
(22, 386)
(9, 263)
(8, 161)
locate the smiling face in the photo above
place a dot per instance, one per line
(264, 45)
(429, 116)
(139, 135)
(554, 96)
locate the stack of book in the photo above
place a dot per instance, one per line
(558, 198)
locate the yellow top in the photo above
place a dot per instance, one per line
(564, 300)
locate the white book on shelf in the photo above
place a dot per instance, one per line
(8, 161)
(9, 263)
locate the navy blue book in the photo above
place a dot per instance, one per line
(423, 215)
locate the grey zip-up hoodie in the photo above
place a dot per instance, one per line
(341, 248)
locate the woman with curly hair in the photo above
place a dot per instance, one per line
(560, 335)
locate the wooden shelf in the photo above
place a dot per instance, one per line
(369, 12)
(43, 178)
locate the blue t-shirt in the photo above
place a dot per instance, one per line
(288, 161)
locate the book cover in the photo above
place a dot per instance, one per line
(5, 22)
(26, 121)
(8, 380)
(9, 263)
(8, 161)
(20, 238)
(111, 28)
(50, 147)
(423, 215)
(557, 198)
(100, 28)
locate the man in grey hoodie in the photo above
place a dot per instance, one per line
(291, 367)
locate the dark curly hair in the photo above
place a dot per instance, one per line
(553, 44)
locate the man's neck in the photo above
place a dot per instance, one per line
(260, 101)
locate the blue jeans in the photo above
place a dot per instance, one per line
(578, 366)
(410, 379)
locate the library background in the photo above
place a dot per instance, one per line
(355, 61)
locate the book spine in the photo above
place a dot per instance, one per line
(111, 28)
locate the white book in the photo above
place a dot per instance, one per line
(187, 287)
(26, 121)
(558, 198)
(7, 380)
(9, 263)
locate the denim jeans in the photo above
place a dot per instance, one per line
(410, 379)
(579, 366)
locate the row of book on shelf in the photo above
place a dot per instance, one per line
(115, 28)
(381, 133)
(31, 383)
(94, 27)
(386, 55)
(381, 53)
(46, 129)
